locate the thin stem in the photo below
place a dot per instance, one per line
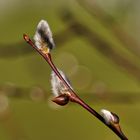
(118, 132)
(47, 57)
(73, 96)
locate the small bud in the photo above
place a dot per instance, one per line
(43, 37)
(62, 99)
(109, 117)
(26, 38)
(116, 118)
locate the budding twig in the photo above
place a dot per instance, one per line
(72, 96)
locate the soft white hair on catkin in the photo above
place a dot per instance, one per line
(43, 35)
(107, 115)
(57, 85)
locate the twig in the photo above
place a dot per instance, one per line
(73, 96)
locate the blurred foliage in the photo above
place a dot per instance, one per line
(97, 47)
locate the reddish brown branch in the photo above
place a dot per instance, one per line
(73, 96)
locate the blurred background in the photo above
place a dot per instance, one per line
(98, 47)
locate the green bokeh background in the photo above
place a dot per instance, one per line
(97, 46)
